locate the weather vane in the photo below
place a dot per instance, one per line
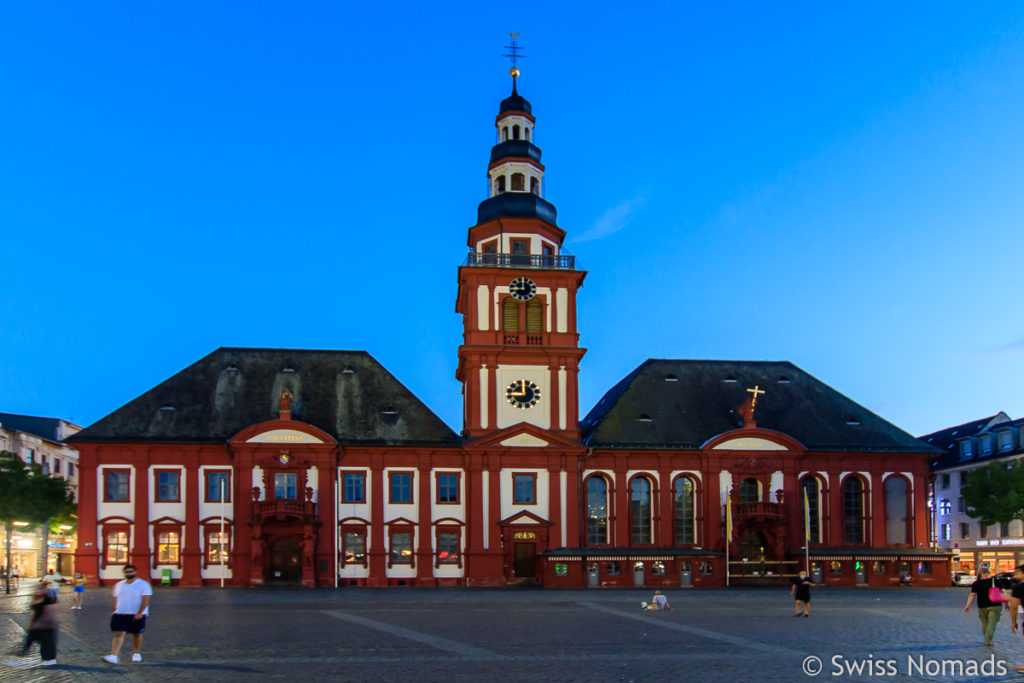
(514, 53)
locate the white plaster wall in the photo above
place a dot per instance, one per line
(441, 511)
(508, 508)
(115, 509)
(158, 510)
(562, 312)
(360, 510)
(482, 308)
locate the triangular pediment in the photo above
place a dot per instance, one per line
(524, 435)
(524, 517)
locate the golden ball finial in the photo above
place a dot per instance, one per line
(514, 72)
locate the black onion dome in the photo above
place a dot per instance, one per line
(516, 205)
(515, 102)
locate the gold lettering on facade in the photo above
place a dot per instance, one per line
(524, 536)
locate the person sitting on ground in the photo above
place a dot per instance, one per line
(659, 602)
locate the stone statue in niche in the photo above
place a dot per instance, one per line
(285, 402)
(255, 493)
(307, 548)
(309, 494)
(778, 495)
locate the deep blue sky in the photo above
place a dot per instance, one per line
(838, 186)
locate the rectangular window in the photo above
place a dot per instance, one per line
(218, 545)
(986, 446)
(965, 530)
(878, 568)
(115, 485)
(524, 488)
(835, 567)
(217, 481)
(448, 547)
(447, 488)
(354, 547)
(613, 569)
(963, 478)
(947, 533)
(401, 547)
(167, 485)
(966, 450)
(401, 487)
(960, 505)
(30, 456)
(71, 469)
(168, 544)
(353, 487)
(945, 481)
(44, 464)
(285, 485)
(56, 465)
(1004, 529)
(117, 547)
(1005, 441)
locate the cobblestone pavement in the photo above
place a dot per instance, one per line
(446, 634)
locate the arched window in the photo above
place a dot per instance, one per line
(518, 182)
(686, 527)
(504, 134)
(640, 512)
(501, 184)
(896, 510)
(853, 510)
(535, 315)
(597, 511)
(515, 132)
(750, 490)
(534, 186)
(510, 315)
(813, 493)
(526, 130)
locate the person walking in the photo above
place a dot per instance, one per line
(52, 579)
(78, 591)
(131, 598)
(801, 591)
(1016, 598)
(15, 576)
(42, 628)
(989, 610)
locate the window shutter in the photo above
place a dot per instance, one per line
(534, 315)
(510, 315)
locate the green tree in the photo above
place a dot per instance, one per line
(28, 495)
(995, 493)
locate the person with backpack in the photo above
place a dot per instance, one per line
(990, 602)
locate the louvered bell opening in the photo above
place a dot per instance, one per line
(534, 315)
(510, 315)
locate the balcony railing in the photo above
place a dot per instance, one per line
(494, 260)
(283, 508)
(763, 510)
(516, 339)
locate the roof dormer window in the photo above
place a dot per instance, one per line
(966, 450)
(645, 418)
(730, 380)
(1005, 441)
(986, 446)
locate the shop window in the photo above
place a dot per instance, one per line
(524, 489)
(168, 486)
(168, 547)
(924, 568)
(218, 545)
(353, 489)
(705, 569)
(448, 548)
(401, 547)
(878, 568)
(115, 547)
(401, 487)
(658, 568)
(835, 567)
(115, 486)
(448, 488)
(613, 569)
(561, 569)
(216, 482)
(353, 547)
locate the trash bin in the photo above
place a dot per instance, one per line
(165, 577)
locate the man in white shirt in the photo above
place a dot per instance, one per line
(131, 606)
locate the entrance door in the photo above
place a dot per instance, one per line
(638, 575)
(526, 560)
(285, 560)
(861, 572)
(685, 574)
(593, 574)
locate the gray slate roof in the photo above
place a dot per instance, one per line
(348, 394)
(44, 427)
(645, 410)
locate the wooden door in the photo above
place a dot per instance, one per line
(526, 560)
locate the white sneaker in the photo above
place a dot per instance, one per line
(17, 662)
(136, 657)
(49, 662)
(110, 659)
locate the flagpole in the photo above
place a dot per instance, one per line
(807, 533)
(337, 531)
(222, 557)
(728, 534)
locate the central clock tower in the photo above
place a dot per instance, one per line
(520, 353)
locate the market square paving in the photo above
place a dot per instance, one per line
(526, 635)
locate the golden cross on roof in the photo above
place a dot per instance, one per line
(515, 54)
(756, 391)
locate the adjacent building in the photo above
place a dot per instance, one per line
(965, 448)
(41, 440)
(319, 467)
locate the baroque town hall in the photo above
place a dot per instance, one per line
(259, 466)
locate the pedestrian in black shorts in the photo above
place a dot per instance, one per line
(131, 605)
(801, 590)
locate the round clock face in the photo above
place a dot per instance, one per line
(523, 288)
(522, 394)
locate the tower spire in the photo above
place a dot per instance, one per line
(514, 54)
